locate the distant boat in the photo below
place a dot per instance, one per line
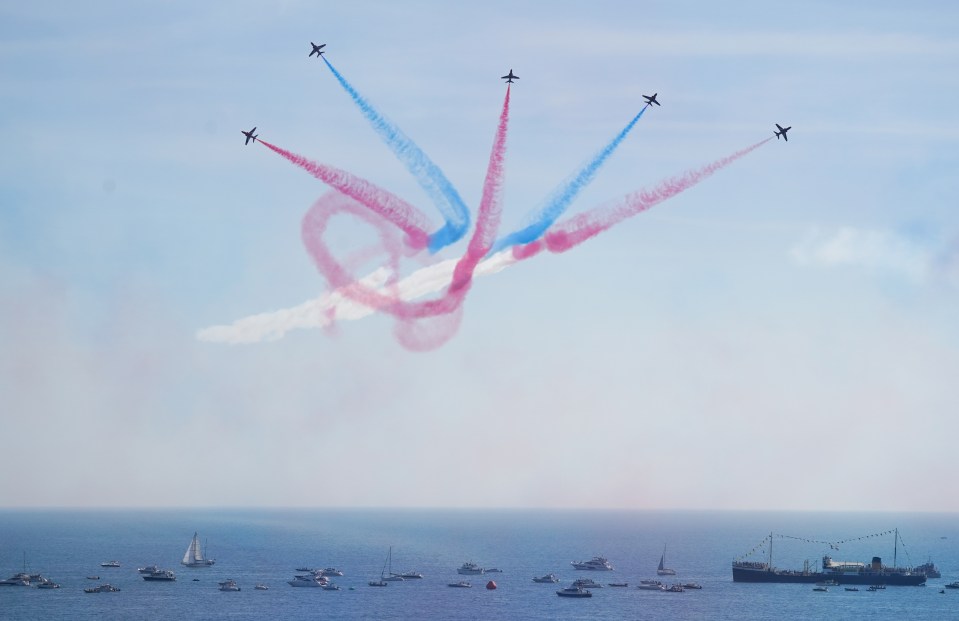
(953, 585)
(662, 570)
(572, 591)
(161, 575)
(462, 584)
(110, 564)
(470, 568)
(651, 586)
(261, 587)
(619, 584)
(587, 583)
(329, 571)
(307, 580)
(691, 585)
(852, 589)
(48, 584)
(193, 557)
(149, 569)
(547, 579)
(330, 587)
(597, 563)
(229, 585)
(820, 588)
(103, 588)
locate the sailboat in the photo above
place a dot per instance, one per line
(388, 575)
(662, 570)
(193, 557)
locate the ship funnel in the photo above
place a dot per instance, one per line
(876, 563)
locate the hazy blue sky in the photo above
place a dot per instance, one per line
(783, 335)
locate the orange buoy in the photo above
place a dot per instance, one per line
(491, 585)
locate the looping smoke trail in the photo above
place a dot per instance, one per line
(391, 301)
(427, 174)
(561, 198)
(584, 226)
(405, 216)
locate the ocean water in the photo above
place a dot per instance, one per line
(266, 546)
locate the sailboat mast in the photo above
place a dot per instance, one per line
(770, 552)
(895, 549)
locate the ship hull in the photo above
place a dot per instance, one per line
(864, 577)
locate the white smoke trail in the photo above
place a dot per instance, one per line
(334, 306)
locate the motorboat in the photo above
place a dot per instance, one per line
(462, 584)
(572, 591)
(651, 587)
(619, 584)
(149, 569)
(330, 587)
(597, 563)
(110, 564)
(103, 588)
(656, 582)
(48, 584)
(161, 575)
(378, 583)
(821, 589)
(587, 583)
(261, 587)
(676, 588)
(20, 579)
(493, 570)
(93, 577)
(329, 571)
(307, 580)
(411, 575)
(852, 589)
(193, 557)
(692, 585)
(952, 585)
(547, 579)
(229, 585)
(470, 568)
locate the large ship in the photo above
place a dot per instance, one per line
(841, 572)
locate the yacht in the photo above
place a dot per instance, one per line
(330, 571)
(410, 575)
(693, 585)
(953, 585)
(547, 579)
(20, 579)
(48, 584)
(149, 569)
(229, 585)
(462, 584)
(379, 583)
(103, 588)
(651, 586)
(161, 575)
(307, 580)
(573, 591)
(470, 569)
(193, 557)
(597, 563)
(587, 583)
(110, 564)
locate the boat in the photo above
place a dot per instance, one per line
(852, 589)
(196, 580)
(261, 587)
(547, 579)
(572, 591)
(19, 579)
(877, 587)
(676, 588)
(470, 568)
(842, 572)
(103, 588)
(48, 584)
(587, 583)
(330, 587)
(652, 586)
(229, 585)
(929, 568)
(329, 571)
(388, 574)
(692, 585)
(597, 563)
(411, 575)
(820, 588)
(93, 577)
(149, 569)
(307, 580)
(462, 584)
(161, 575)
(378, 583)
(662, 570)
(619, 584)
(193, 557)
(110, 564)
(493, 570)
(952, 585)
(306, 569)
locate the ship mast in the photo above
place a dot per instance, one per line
(770, 567)
(895, 549)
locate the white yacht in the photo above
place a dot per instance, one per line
(470, 569)
(547, 579)
(587, 583)
(597, 563)
(161, 575)
(330, 571)
(229, 585)
(462, 584)
(307, 580)
(110, 564)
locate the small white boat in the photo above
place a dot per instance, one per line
(547, 579)
(329, 571)
(229, 585)
(307, 580)
(691, 585)
(48, 584)
(597, 563)
(462, 584)
(821, 589)
(162, 575)
(410, 575)
(573, 591)
(470, 568)
(261, 587)
(103, 588)
(378, 583)
(619, 584)
(587, 583)
(110, 564)
(651, 587)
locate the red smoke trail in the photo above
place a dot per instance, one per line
(487, 222)
(589, 224)
(406, 217)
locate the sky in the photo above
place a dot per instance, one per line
(780, 336)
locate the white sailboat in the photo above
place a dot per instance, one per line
(193, 557)
(388, 575)
(662, 570)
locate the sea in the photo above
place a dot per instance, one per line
(260, 546)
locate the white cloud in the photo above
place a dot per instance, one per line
(915, 259)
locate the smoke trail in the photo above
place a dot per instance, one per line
(562, 196)
(427, 174)
(587, 225)
(405, 216)
(314, 227)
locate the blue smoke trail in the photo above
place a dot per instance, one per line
(426, 173)
(560, 199)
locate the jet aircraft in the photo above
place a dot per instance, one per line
(509, 77)
(317, 49)
(782, 132)
(249, 136)
(651, 99)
